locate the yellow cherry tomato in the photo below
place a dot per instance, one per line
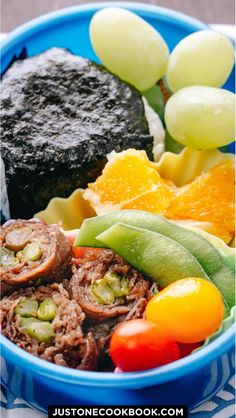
(190, 309)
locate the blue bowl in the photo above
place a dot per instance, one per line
(189, 381)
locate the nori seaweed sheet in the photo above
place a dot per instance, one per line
(60, 116)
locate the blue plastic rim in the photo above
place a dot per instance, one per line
(178, 369)
(41, 23)
(169, 24)
(38, 35)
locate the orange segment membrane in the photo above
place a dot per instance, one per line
(156, 201)
(209, 198)
(127, 175)
(209, 227)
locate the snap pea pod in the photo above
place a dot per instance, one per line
(208, 256)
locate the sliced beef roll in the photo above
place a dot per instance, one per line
(109, 291)
(31, 250)
(45, 322)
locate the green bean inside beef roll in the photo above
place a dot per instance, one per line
(109, 291)
(45, 322)
(31, 250)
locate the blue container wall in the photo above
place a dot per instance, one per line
(39, 391)
(39, 388)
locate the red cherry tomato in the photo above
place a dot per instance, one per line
(78, 252)
(186, 349)
(140, 345)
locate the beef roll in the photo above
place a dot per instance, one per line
(109, 292)
(45, 322)
(31, 250)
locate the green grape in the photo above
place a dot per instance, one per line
(203, 58)
(129, 47)
(201, 117)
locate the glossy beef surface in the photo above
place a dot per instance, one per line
(102, 319)
(54, 264)
(69, 346)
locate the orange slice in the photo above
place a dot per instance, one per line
(156, 201)
(130, 181)
(209, 198)
(126, 178)
(209, 227)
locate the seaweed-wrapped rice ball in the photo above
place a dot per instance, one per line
(60, 116)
